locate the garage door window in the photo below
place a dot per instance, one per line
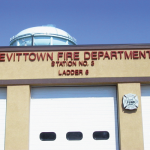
(47, 136)
(74, 136)
(101, 135)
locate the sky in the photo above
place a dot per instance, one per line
(89, 21)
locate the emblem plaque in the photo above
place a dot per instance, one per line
(130, 101)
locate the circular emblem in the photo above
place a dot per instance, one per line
(130, 101)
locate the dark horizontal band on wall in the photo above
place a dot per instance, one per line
(76, 81)
(74, 47)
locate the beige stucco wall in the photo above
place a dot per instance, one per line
(102, 68)
(17, 118)
(18, 97)
(130, 121)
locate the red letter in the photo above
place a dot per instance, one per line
(113, 54)
(68, 55)
(76, 72)
(41, 55)
(106, 55)
(94, 55)
(49, 56)
(32, 59)
(76, 55)
(80, 72)
(74, 63)
(143, 55)
(100, 54)
(59, 55)
(86, 57)
(25, 55)
(68, 72)
(128, 56)
(53, 64)
(18, 54)
(148, 53)
(135, 55)
(9, 58)
(14, 56)
(120, 52)
(59, 73)
(57, 62)
(72, 72)
(2, 56)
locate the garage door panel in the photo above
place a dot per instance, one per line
(76, 112)
(64, 92)
(2, 116)
(145, 102)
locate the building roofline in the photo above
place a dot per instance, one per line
(75, 47)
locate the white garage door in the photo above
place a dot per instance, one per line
(70, 118)
(145, 100)
(2, 116)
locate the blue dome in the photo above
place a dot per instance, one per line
(42, 35)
